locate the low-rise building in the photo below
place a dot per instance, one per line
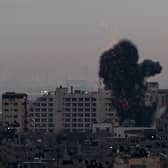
(126, 132)
(139, 162)
(148, 162)
(102, 127)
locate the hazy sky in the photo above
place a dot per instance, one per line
(63, 39)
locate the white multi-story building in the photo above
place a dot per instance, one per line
(46, 113)
(74, 111)
(83, 109)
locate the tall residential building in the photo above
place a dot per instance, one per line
(46, 113)
(14, 110)
(83, 109)
(74, 111)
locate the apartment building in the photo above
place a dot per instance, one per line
(79, 111)
(14, 110)
(46, 113)
(83, 109)
(73, 111)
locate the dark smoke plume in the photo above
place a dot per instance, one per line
(121, 73)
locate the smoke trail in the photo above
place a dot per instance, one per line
(121, 72)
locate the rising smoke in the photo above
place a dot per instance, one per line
(121, 73)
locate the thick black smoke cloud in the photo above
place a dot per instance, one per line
(121, 73)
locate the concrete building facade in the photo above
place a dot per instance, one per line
(83, 109)
(46, 113)
(74, 111)
(15, 110)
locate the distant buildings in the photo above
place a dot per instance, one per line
(15, 110)
(70, 110)
(74, 111)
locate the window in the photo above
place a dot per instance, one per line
(50, 109)
(37, 114)
(43, 99)
(50, 114)
(74, 109)
(87, 119)
(36, 104)
(43, 109)
(44, 120)
(87, 114)
(80, 114)
(50, 120)
(15, 110)
(87, 125)
(80, 125)
(80, 104)
(50, 99)
(6, 104)
(93, 99)
(67, 120)
(43, 125)
(73, 115)
(37, 109)
(37, 120)
(43, 104)
(74, 99)
(6, 110)
(67, 99)
(15, 104)
(68, 104)
(74, 104)
(93, 114)
(74, 119)
(44, 115)
(68, 109)
(87, 109)
(87, 104)
(80, 109)
(73, 125)
(87, 99)
(110, 114)
(94, 120)
(93, 104)
(80, 99)
(50, 104)
(93, 109)
(80, 120)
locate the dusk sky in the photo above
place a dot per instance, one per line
(63, 39)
